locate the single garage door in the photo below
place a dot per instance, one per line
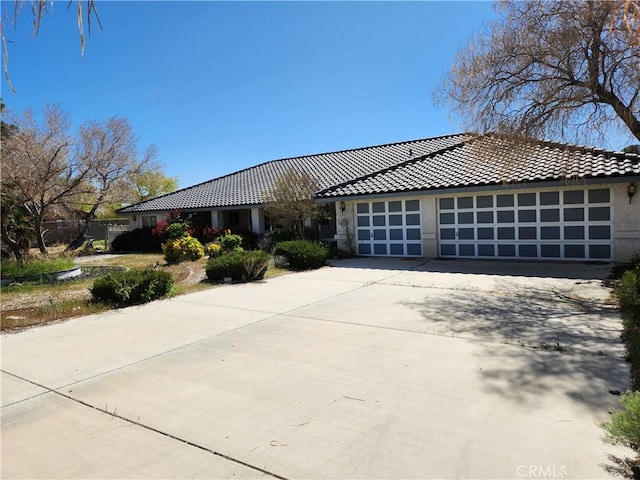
(572, 224)
(389, 228)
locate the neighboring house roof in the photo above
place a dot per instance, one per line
(247, 187)
(451, 161)
(491, 160)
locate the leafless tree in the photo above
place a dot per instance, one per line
(290, 201)
(550, 69)
(39, 165)
(630, 12)
(45, 166)
(108, 150)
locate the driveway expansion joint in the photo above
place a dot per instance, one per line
(114, 414)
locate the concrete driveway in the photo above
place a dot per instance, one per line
(369, 368)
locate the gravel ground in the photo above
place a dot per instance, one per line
(95, 258)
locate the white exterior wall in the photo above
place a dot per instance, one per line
(135, 221)
(429, 226)
(345, 227)
(626, 216)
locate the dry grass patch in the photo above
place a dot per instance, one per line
(28, 304)
(20, 318)
(31, 304)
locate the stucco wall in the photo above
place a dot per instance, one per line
(429, 226)
(135, 221)
(626, 217)
(345, 227)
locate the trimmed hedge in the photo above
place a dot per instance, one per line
(177, 230)
(239, 265)
(302, 254)
(132, 287)
(229, 241)
(628, 292)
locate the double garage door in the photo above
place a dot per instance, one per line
(567, 224)
(564, 224)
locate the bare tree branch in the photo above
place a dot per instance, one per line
(290, 203)
(544, 67)
(45, 166)
(38, 9)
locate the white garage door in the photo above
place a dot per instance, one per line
(563, 224)
(389, 228)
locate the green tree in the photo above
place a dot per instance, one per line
(550, 69)
(152, 183)
(16, 225)
(290, 203)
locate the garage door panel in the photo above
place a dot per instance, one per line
(528, 251)
(574, 224)
(390, 228)
(600, 251)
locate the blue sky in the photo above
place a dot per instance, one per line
(220, 86)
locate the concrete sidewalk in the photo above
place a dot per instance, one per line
(371, 368)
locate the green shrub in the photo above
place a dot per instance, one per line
(214, 250)
(230, 241)
(249, 239)
(624, 426)
(132, 287)
(302, 254)
(178, 250)
(628, 292)
(34, 269)
(275, 236)
(239, 265)
(177, 230)
(138, 240)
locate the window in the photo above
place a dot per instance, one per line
(149, 221)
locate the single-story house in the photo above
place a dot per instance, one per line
(452, 196)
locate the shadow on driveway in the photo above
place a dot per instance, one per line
(551, 269)
(541, 334)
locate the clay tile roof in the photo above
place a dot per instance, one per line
(247, 187)
(490, 160)
(450, 161)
